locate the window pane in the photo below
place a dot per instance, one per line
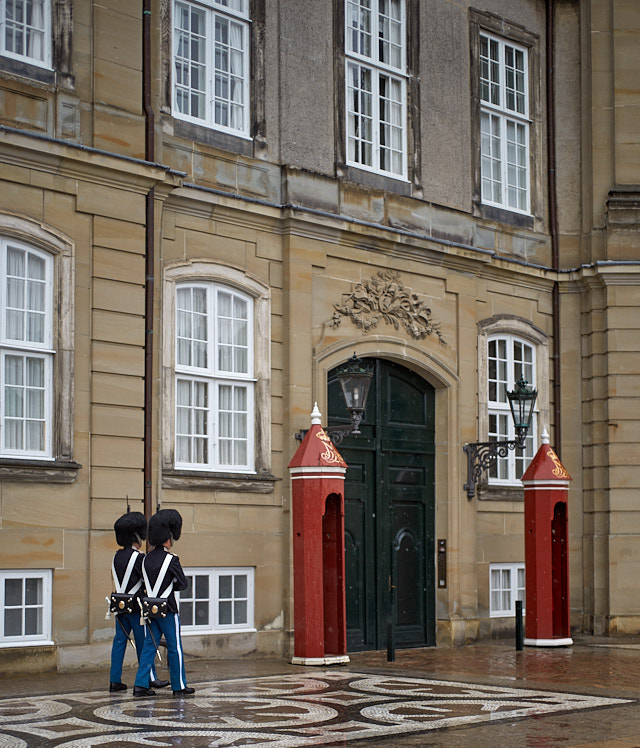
(240, 611)
(188, 592)
(182, 449)
(225, 613)
(13, 591)
(521, 584)
(202, 587)
(201, 392)
(32, 621)
(35, 372)
(13, 622)
(16, 260)
(13, 371)
(36, 267)
(15, 293)
(202, 613)
(186, 613)
(225, 586)
(240, 585)
(34, 437)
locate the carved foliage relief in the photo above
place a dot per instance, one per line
(384, 297)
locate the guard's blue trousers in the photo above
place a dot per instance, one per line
(170, 627)
(130, 622)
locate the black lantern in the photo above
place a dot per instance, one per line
(355, 379)
(521, 402)
(482, 455)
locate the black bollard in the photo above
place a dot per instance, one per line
(391, 647)
(519, 627)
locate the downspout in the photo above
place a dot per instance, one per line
(149, 149)
(553, 222)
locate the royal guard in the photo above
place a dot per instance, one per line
(126, 569)
(163, 576)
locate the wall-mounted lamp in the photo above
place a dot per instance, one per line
(482, 455)
(355, 379)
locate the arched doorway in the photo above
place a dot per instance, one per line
(389, 510)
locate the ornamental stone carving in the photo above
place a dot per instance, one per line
(384, 297)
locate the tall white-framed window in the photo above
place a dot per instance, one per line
(25, 31)
(211, 63)
(504, 123)
(25, 607)
(26, 350)
(376, 86)
(506, 586)
(217, 599)
(214, 381)
(508, 359)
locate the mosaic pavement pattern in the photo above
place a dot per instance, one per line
(272, 711)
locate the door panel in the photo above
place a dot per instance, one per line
(359, 565)
(389, 511)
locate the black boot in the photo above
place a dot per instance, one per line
(185, 692)
(159, 683)
(113, 687)
(142, 691)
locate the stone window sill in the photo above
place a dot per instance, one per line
(194, 480)
(486, 492)
(39, 471)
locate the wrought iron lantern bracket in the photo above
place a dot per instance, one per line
(336, 433)
(481, 456)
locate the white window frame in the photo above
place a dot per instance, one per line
(359, 63)
(506, 325)
(42, 58)
(508, 470)
(205, 271)
(14, 347)
(508, 587)
(504, 156)
(234, 12)
(213, 576)
(44, 637)
(214, 380)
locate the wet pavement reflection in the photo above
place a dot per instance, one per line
(479, 695)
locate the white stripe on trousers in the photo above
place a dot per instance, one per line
(179, 649)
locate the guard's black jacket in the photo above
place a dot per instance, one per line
(153, 563)
(120, 563)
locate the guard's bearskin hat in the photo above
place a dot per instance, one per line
(130, 528)
(165, 524)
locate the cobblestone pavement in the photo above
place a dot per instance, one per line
(479, 695)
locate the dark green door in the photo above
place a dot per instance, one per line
(389, 511)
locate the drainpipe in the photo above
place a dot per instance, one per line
(553, 221)
(149, 149)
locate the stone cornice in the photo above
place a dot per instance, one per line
(72, 161)
(604, 273)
